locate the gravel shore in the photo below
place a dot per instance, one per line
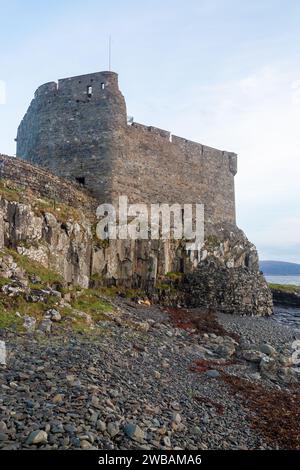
(133, 382)
(258, 330)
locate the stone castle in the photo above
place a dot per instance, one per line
(76, 145)
(79, 129)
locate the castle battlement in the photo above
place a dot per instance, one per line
(78, 129)
(81, 86)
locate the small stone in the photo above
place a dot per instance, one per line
(134, 432)
(101, 426)
(57, 428)
(3, 437)
(45, 326)
(67, 297)
(75, 442)
(176, 418)
(142, 326)
(157, 374)
(53, 314)
(175, 405)
(113, 429)
(3, 427)
(37, 437)
(13, 385)
(29, 323)
(70, 429)
(2, 353)
(252, 356)
(196, 430)
(95, 401)
(70, 378)
(85, 444)
(213, 374)
(167, 441)
(58, 398)
(266, 348)
(225, 350)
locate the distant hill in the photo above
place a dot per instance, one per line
(280, 268)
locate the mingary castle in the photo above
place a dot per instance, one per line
(77, 147)
(78, 128)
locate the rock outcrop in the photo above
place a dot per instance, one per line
(288, 296)
(228, 277)
(61, 237)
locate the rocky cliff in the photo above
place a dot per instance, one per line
(52, 222)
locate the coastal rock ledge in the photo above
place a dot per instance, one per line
(52, 221)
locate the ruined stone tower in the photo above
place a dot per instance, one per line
(78, 129)
(74, 129)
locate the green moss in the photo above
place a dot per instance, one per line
(96, 277)
(174, 276)
(62, 212)
(10, 191)
(9, 319)
(284, 287)
(92, 303)
(111, 291)
(162, 286)
(133, 293)
(47, 276)
(4, 281)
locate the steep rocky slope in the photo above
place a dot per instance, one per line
(53, 222)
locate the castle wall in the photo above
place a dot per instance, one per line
(157, 167)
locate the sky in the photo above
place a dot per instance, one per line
(225, 73)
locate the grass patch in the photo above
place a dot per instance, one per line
(9, 319)
(10, 305)
(174, 276)
(4, 281)
(61, 211)
(284, 287)
(162, 286)
(91, 302)
(10, 191)
(33, 268)
(111, 291)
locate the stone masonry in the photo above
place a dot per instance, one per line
(78, 129)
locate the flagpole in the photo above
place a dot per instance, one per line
(109, 53)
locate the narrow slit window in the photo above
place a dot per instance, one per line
(102, 86)
(89, 91)
(80, 180)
